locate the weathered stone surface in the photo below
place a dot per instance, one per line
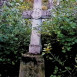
(45, 14)
(32, 66)
(35, 41)
(37, 14)
(35, 49)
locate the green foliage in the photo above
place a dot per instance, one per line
(63, 26)
(55, 72)
(23, 4)
(14, 35)
(61, 32)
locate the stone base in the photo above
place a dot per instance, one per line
(32, 66)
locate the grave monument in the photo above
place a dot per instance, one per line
(32, 63)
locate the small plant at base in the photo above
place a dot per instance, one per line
(47, 49)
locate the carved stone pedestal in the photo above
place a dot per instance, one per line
(32, 66)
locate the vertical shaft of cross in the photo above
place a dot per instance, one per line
(35, 42)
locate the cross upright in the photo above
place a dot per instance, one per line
(37, 14)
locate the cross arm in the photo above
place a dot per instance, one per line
(28, 14)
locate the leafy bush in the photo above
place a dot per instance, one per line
(14, 35)
(61, 34)
(62, 27)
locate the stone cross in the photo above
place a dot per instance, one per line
(37, 14)
(35, 44)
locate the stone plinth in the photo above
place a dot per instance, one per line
(32, 66)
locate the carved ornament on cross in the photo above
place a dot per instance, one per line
(42, 14)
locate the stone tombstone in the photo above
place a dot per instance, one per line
(32, 63)
(35, 43)
(37, 14)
